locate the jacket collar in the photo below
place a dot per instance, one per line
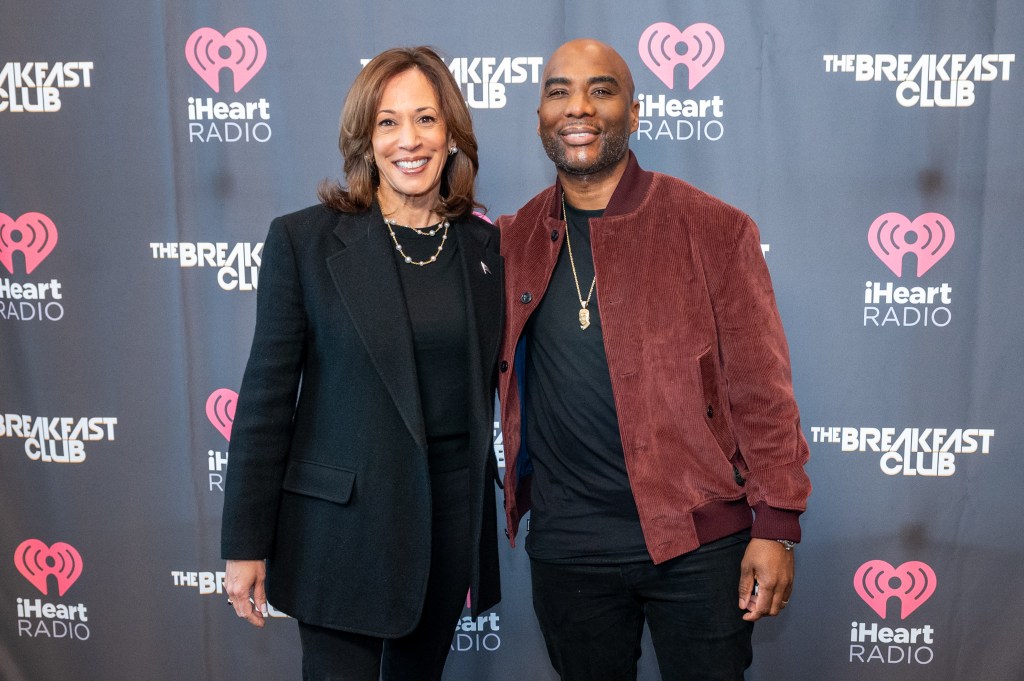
(628, 194)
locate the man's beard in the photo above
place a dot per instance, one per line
(613, 148)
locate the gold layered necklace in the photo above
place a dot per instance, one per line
(584, 314)
(422, 231)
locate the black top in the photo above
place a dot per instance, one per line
(582, 506)
(436, 300)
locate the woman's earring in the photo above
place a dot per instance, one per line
(452, 150)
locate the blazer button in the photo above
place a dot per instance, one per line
(554, 235)
(711, 412)
(503, 366)
(526, 298)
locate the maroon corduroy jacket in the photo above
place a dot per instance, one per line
(698, 361)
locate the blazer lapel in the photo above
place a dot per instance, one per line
(366, 276)
(482, 269)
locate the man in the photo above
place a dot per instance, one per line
(646, 399)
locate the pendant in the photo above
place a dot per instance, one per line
(584, 318)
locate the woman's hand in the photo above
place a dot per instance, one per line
(243, 581)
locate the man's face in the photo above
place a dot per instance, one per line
(586, 112)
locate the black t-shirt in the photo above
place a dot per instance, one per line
(436, 300)
(583, 510)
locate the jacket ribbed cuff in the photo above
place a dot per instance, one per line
(775, 523)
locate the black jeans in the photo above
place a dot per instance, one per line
(592, 616)
(333, 655)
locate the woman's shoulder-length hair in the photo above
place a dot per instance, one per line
(359, 115)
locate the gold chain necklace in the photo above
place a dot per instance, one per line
(584, 314)
(433, 230)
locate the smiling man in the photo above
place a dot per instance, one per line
(647, 405)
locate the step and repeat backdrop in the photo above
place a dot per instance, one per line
(147, 145)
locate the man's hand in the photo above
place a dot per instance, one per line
(766, 579)
(243, 581)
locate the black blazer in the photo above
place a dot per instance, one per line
(327, 477)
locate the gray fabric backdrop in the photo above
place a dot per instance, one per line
(876, 144)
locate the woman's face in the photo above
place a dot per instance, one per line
(410, 141)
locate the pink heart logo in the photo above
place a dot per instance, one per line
(242, 50)
(220, 409)
(928, 236)
(704, 44)
(913, 583)
(33, 234)
(36, 561)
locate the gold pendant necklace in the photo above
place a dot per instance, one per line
(584, 313)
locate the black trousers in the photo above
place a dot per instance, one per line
(333, 655)
(592, 616)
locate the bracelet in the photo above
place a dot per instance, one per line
(787, 543)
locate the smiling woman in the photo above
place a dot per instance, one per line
(361, 121)
(410, 147)
(365, 415)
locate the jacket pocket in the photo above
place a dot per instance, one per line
(715, 404)
(319, 480)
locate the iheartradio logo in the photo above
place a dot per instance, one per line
(928, 236)
(33, 234)
(36, 562)
(220, 409)
(912, 583)
(659, 50)
(242, 51)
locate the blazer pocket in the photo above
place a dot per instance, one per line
(320, 480)
(714, 404)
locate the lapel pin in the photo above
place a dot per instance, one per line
(483, 265)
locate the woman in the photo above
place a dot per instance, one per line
(361, 483)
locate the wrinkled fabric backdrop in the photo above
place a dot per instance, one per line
(147, 145)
